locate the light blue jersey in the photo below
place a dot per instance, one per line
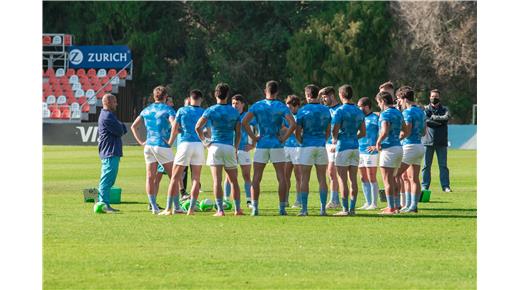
(350, 118)
(416, 118)
(313, 118)
(243, 134)
(394, 117)
(158, 128)
(187, 118)
(269, 115)
(222, 120)
(332, 111)
(370, 139)
(291, 141)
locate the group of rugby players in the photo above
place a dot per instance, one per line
(336, 138)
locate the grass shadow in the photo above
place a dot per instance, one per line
(451, 209)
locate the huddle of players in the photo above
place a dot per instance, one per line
(335, 138)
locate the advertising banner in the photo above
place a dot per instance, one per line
(99, 56)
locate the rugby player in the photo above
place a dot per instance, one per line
(312, 131)
(244, 159)
(413, 149)
(368, 160)
(291, 153)
(389, 147)
(223, 146)
(158, 119)
(269, 114)
(190, 152)
(348, 126)
(329, 100)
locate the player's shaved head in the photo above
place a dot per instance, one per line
(271, 87)
(109, 102)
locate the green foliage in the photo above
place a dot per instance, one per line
(188, 45)
(350, 46)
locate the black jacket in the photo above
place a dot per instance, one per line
(436, 126)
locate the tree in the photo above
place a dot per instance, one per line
(436, 47)
(351, 46)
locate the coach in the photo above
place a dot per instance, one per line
(110, 148)
(436, 139)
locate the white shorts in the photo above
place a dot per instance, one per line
(368, 160)
(159, 154)
(391, 157)
(330, 155)
(263, 155)
(413, 154)
(244, 158)
(189, 153)
(312, 156)
(291, 154)
(349, 157)
(222, 154)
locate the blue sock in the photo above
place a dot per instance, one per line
(237, 204)
(193, 202)
(334, 197)
(254, 203)
(323, 200)
(176, 202)
(413, 201)
(219, 204)
(353, 204)
(397, 201)
(247, 189)
(344, 203)
(227, 189)
(282, 207)
(367, 192)
(169, 201)
(298, 198)
(374, 189)
(390, 200)
(153, 202)
(408, 198)
(304, 199)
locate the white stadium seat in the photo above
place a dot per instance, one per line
(60, 72)
(46, 113)
(76, 114)
(44, 106)
(56, 40)
(92, 101)
(90, 93)
(74, 106)
(51, 100)
(101, 73)
(73, 79)
(115, 81)
(76, 86)
(61, 100)
(79, 93)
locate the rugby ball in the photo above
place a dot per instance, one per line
(206, 204)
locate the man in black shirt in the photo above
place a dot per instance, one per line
(436, 140)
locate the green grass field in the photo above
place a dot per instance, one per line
(435, 248)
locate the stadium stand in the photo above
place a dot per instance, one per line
(72, 95)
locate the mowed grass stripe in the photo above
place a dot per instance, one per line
(135, 250)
